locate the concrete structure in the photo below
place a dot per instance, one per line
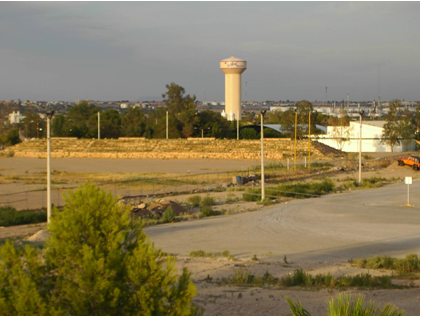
(233, 67)
(15, 117)
(347, 138)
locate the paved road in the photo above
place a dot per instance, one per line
(355, 224)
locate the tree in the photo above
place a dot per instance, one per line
(391, 132)
(13, 137)
(98, 261)
(83, 120)
(341, 130)
(110, 124)
(407, 128)
(181, 107)
(133, 122)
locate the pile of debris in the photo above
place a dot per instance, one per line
(156, 208)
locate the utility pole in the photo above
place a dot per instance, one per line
(238, 125)
(309, 139)
(262, 114)
(99, 125)
(361, 130)
(49, 117)
(166, 129)
(295, 142)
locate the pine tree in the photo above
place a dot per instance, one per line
(98, 261)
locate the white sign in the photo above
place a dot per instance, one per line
(408, 180)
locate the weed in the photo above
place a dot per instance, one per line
(231, 198)
(207, 211)
(207, 201)
(254, 258)
(266, 202)
(194, 200)
(411, 264)
(168, 215)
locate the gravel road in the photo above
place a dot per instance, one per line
(355, 224)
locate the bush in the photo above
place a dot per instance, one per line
(207, 201)
(251, 196)
(206, 211)
(97, 262)
(168, 215)
(410, 264)
(194, 200)
(10, 217)
(349, 305)
(266, 201)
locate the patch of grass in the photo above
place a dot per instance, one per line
(9, 216)
(194, 200)
(207, 211)
(301, 278)
(266, 202)
(207, 201)
(231, 198)
(411, 263)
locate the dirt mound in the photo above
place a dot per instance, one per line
(159, 207)
(41, 235)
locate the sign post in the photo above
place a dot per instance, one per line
(408, 181)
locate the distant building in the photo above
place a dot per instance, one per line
(15, 117)
(346, 138)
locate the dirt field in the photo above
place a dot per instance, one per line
(318, 235)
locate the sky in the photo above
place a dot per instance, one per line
(53, 51)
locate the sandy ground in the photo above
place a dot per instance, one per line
(319, 235)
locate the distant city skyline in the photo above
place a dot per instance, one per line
(55, 51)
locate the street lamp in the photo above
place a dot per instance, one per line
(262, 114)
(99, 125)
(49, 117)
(295, 141)
(361, 130)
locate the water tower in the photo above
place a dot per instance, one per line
(233, 67)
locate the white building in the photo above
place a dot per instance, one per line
(15, 117)
(347, 138)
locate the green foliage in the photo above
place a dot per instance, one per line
(207, 201)
(249, 133)
(10, 217)
(391, 130)
(354, 305)
(298, 190)
(133, 122)
(97, 262)
(346, 304)
(231, 198)
(13, 137)
(168, 215)
(206, 211)
(410, 264)
(296, 307)
(366, 280)
(194, 200)
(266, 202)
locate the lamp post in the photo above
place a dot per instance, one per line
(238, 125)
(361, 145)
(49, 117)
(166, 125)
(295, 142)
(99, 125)
(309, 139)
(262, 114)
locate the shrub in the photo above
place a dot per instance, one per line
(97, 262)
(207, 201)
(230, 198)
(225, 253)
(410, 264)
(206, 211)
(194, 200)
(266, 201)
(168, 215)
(197, 253)
(349, 305)
(251, 196)
(10, 217)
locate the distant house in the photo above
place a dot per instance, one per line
(347, 138)
(15, 117)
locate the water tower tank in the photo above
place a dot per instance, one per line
(233, 67)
